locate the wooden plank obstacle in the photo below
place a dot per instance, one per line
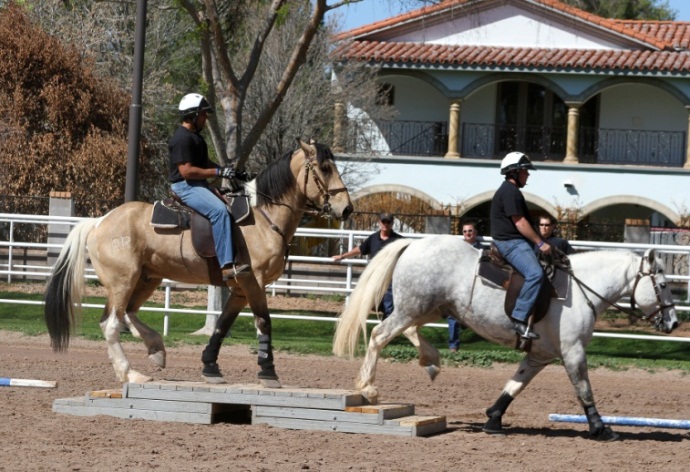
(287, 407)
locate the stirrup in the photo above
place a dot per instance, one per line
(524, 330)
(239, 270)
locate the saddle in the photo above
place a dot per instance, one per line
(496, 270)
(172, 213)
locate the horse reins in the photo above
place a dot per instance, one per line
(313, 209)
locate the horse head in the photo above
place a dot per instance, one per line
(321, 183)
(652, 294)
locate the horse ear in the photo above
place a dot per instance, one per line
(650, 255)
(305, 147)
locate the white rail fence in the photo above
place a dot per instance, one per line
(14, 270)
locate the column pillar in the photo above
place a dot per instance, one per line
(573, 129)
(687, 143)
(339, 127)
(454, 131)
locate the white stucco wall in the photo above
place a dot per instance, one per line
(473, 182)
(480, 107)
(416, 100)
(641, 107)
(510, 26)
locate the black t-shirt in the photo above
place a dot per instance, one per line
(373, 244)
(186, 146)
(560, 243)
(507, 202)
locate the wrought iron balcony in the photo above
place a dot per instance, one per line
(595, 145)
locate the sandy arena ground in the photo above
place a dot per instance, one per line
(33, 438)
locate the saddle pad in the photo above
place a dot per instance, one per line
(239, 206)
(169, 218)
(500, 277)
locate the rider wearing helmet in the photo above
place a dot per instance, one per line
(189, 167)
(515, 238)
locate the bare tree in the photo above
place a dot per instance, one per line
(231, 78)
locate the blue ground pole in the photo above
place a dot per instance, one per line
(624, 421)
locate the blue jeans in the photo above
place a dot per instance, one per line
(199, 197)
(454, 329)
(386, 305)
(520, 254)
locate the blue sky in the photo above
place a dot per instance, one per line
(368, 11)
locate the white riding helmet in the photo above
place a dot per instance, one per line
(515, 161)
(194, 103)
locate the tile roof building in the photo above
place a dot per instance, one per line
(475, 79)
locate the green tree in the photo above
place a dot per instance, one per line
(626, 9)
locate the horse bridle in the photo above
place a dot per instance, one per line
(325, 192)
(656, 317)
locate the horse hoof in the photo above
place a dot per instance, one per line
(605, 434)
(211, 374)
(135, 377)
(158, 358)
(270, 383)
(268, 374)
(214, 380)
(494, 426)
(433, 371)
(370, 394)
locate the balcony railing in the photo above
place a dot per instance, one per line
(595, 145)
(409, 138)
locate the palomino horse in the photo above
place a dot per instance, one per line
(436, 275)
(131, 258)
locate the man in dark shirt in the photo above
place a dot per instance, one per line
(469, 234)
(371, 246)
(547, 226)
(189, 167)
(515, 238)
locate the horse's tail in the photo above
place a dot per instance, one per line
(366, 296)
(66, 286)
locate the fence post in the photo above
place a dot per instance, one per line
(61, 204)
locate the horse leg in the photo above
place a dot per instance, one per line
(429, 357)
(527, 370)
(152, 339)
(575, 363)
(262, 320)
(110, 325)
(211, 372)
(381, 335)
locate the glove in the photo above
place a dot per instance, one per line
(227, 172)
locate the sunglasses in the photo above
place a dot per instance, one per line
(386, 222)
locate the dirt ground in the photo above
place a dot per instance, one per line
(33, 438)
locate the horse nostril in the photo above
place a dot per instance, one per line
(674, 325)
(347, 212)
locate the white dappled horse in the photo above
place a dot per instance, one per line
(436, 275)
(131, 258)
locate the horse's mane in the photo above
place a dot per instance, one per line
(277, 179)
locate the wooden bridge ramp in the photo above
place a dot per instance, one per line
(288, 407)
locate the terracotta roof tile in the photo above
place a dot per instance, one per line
(659, 35)
(542, 58)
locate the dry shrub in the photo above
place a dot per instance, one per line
(64, 129)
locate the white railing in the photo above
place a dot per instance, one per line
(349, 239)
